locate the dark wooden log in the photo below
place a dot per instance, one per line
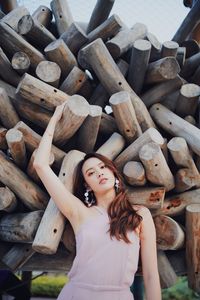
(171, 99)
(108, 125)
(138, 65)
(169, 48)
(113, 146)
(3, 142)
(20, 227)
(68, 238)
(49, 72)
(1, 14)
(192, 47)
(134, 173)
(195, 76)
(190, 66)
(8, 201)
(12, 42)
(36, 33)
(43, 15)
(180, 56)
(192, 245)
(155, 46)
(124, 39)
(62, 14)
(20, 62)
(166, 271)
(8, 5)
(13, 17)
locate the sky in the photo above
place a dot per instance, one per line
(162, 17)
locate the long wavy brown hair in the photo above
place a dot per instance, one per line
(123, 217)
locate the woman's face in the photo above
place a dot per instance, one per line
(98, 177)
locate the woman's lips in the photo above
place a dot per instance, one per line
(103, 180)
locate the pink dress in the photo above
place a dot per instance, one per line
(103, 268)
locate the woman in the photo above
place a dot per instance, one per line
(109, 230)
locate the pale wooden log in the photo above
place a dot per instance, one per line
(151, 197)
(28, 192)
(157, 170)
(192, 47)
(17, 256)
(156, 93)
(8, 201)
(125, 117)
(1, 14)
(165, 150)
(107, 29)
(167, 273)
(36, 33)
(111, 78)
(190, 119)
(40, 92)
(47, 241)
(59, 52)
(74, 37)
(125, 38)
(20, 62)
(87, 134)
(192, 245)
(134, 173)
(6, 70)
(12, 42)
(100, 13)
(75, 112)
(68, 238)
(181, 56)
(169, 234)
(188, 24)
(186, 179)
(170, 100)
(62, 14)
(108, 125)
(188, 99)
(3, 142)
(49, 72)
(74, 81)
(43, 15)
(176, 126)
(169, 48)
(113, 146)
(8, 5)
(32, 140)
(31, 170)
(161, 70)
(155, 46)
(13, 17)
(20, 227)
(17, 147)
(8, 114)
(132, 151)
(190, 65)
(138, 64)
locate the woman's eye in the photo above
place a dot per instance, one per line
(103, 166)
(90, 173)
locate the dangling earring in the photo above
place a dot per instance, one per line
(88, 200)
(117, 185)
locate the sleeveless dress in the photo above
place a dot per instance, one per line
(103, 268)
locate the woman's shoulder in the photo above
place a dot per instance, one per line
(141, 210)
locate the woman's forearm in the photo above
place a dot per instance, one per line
(153, 289)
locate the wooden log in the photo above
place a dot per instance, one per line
(192, 245)
(20, 227)
(47, 241)
(68, 238)
(169, 48)
(176, 126)
(108, 125)
(32, 140)
(3, 142)
(132, 151)
(155, 46)
(190, 119)
(186, 179)
(188, 99)
(28, 192)
(180, 56)
(134, 173)
(62, 14)
(100, 13)
(190, 66)
(1, 14)
(188, 24)
(59, 53)
(36, 33)
(8, 5)
(167, 273)
(49, 72)
(6, 70)
(170, 100)
(40, 92)
(13, 17)
(43, 15)
(20, 62)
(192, 47)
(169, 234)
(161, 70)
(111, 78)
(75, 112)
(17, 147)
(8, 115)
(164, 149)
(156, 93)
(151, 197)
(113, 146)
(125, 117)
(17, 256)
(125, 38)
(87, 133)
(12, 42)
(74, 37)
(157, 170)
(138, 64)
(8, 201)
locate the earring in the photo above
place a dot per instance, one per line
(117, 185)
(88, 200)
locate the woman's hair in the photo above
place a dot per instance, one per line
(123, 217)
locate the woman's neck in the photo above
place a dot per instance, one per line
(104, 200)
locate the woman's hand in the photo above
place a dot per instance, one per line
(57, 115)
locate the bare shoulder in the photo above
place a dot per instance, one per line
(141, 210)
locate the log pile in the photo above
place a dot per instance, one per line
(128, 97)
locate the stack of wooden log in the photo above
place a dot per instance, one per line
(129, 97)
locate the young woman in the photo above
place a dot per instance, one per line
(109, 231)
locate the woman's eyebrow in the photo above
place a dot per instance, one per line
(93, 167)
